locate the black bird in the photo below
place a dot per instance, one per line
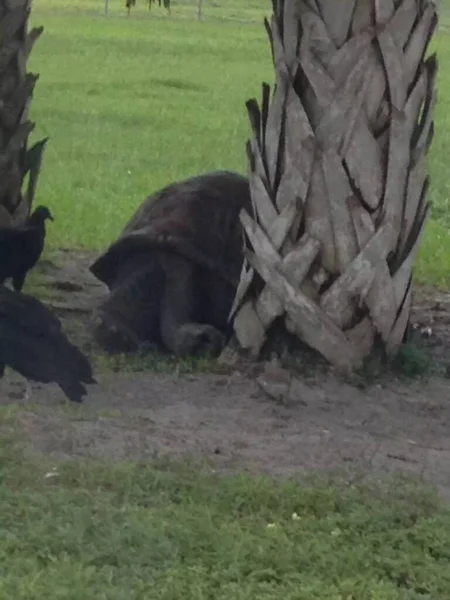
(33, 343)
(21, 247)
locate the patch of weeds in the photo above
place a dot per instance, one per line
(413, 361)
(154, 362)
(8, 413)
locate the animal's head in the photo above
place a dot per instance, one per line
(41, 214)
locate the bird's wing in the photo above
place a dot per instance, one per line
(33, 343)
(12, 244)
(27, 313)
(9, 235)
(73, 358)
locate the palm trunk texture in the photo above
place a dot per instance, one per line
(16, 90)
(338, 176)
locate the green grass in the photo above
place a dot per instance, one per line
(156, 363)
(175, 532)
(132, 104)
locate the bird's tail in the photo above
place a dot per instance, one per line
(74, 391)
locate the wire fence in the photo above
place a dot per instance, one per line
(239, 11)
(244, 11)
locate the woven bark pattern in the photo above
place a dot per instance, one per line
(16, 90)
(337, 169)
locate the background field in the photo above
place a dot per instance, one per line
(131, 104)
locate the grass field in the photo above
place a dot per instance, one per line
(129, 105)
(172, 532)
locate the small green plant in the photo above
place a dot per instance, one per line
(412, 361)
(154, 361)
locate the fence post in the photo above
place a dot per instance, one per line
(199, 10)
(106, 7)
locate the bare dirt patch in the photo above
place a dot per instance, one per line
(229, 420)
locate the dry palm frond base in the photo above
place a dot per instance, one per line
(337, 167)
(17, 162)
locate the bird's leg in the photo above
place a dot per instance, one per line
(27, 394)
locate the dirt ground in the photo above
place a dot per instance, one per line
(324, 423)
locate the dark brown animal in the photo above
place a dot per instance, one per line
(172, 274)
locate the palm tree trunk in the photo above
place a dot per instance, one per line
(337, 169)
(16, 90)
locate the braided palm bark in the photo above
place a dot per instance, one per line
(19, 165)
(338, 176)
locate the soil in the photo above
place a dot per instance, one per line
(233, 420)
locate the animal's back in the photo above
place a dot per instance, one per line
(209, 198)
(198, 216)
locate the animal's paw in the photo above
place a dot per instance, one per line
(113, 336)
(198, 339)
